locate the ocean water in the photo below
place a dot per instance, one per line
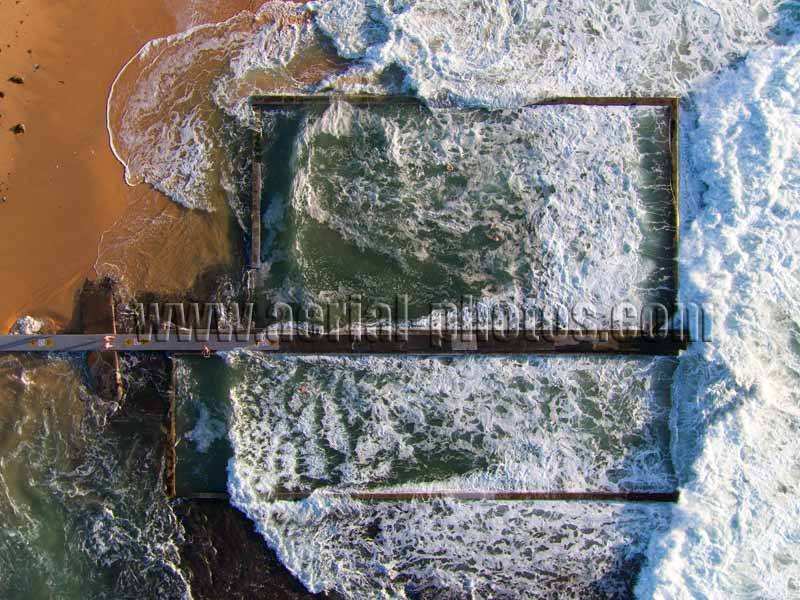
(733, 418)
(82, 508)
(165, 117)
(736, 410)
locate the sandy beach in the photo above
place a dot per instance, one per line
(62, 187)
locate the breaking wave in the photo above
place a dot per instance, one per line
(737, 406)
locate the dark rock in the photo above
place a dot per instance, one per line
(2, 95)
(97, 316)
(17, 79)
(18, 128)
(147, 382)
(102, 370)
(96, 306)
(224, 557)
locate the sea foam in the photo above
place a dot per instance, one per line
(319, 425)
(736, 403)
(167, 106)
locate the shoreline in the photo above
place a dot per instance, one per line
(67, 206)
(63, 186)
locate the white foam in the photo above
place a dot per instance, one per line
(486, 424)
(446, 549)
(317, 424)
(167, 107)
(512, 52)
(81, 502)
(737, 406)
(27, 325)
(206, 431)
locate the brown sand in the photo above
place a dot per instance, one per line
(62, 184)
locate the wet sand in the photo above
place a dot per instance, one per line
(62, 185)
(66, 204)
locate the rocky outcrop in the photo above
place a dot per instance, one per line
(224, 557)
(96, 308)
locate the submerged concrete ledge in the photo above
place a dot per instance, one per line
(545, 496)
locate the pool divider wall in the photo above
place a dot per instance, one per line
(255, 209)
(674, 135)
(475, 495)
(117, 373)
(283, 100)
(170, 453)
(367, 340)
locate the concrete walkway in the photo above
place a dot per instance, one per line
(408, 342)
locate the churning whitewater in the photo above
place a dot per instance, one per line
(735, 409)
(736, 405)
(441, 205)
(487, 424)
